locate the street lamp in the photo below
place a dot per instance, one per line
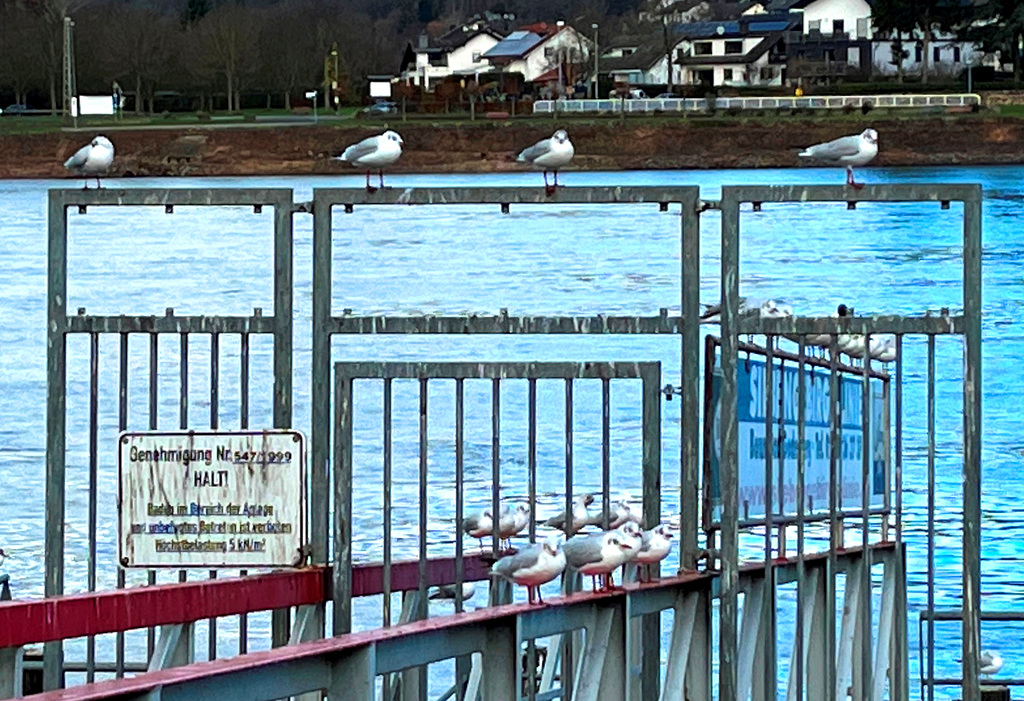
(597, 55)
(560, 57)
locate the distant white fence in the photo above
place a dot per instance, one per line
(822, 102)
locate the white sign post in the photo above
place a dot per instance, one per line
(211, 498)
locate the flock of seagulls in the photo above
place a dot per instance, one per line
(595, 554)
(880, 348)
(376, 153)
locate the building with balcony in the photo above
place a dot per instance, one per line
(458, 52)
(749, 51)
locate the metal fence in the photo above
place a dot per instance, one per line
(817, 593)
(700, 104)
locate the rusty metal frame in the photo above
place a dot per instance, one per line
(60, 324)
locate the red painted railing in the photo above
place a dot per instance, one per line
(77, 615)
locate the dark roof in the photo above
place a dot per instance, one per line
(458, 37)
(754, 25)
(642, 59)
(515, 45)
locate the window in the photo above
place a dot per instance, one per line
(862, 27)
(918, 54)
(838, 26)
(936, 55)
(853, 56)
(814, 26)
(767, 73)
(702, 48)
(476, 57)
(733, 47)
(956, 54)
(727, 74)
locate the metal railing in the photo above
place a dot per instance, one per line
(700, 104)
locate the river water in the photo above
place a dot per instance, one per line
(901, 259)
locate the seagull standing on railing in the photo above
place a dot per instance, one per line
(511, 523)
(549, 154)
(447, 591)
(374, 153)
(479, 525)
(92, 160)
(989, 663)
(767, 309)
(580, 515)
(655, 546)
(532, 566)
(849, 151)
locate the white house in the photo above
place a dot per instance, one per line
(459, 52)
(542, 53)
(832, 17)
(747, 52)
(637, 61)
(947, 56)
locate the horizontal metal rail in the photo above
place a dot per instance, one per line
(506, 371)
(77, 615)
(169, 323)
(502, 195)
(185, 197)
(700, 104)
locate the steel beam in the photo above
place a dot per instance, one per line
(174, 648)
(683, 624)
(499, 195)
(169, 323)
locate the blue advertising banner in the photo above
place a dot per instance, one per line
(751, 411)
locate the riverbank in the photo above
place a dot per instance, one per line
(608, 144)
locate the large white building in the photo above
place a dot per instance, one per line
(542, 53)
(459, 52)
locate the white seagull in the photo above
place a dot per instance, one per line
(510, 523)
(532, 566)
(374, 153)
(92, 160)
(549, 154)
(989, 663)
(768, 309)
(479, 525)
(656, 545)
(447, 591)
(849, 151)
(580, 515)
(883, 349)
(598, 554)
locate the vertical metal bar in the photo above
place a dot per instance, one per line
(283, 345)
(835, 533)
(342, 573)
(154, 387)
(495, 466)
(94, 392)
(422, 578)
(931, 517)
(780, 440)
(243, 423)
(214, 424)
(801, 574)
(122, 424)
(650, 638)
(183, 402)
(56, 401)
(531, 458)
(866, 652)
(606, 452)
(568, 669)
(462, 664)
(899, 438)
(769, 679)
(690, 429)
(320, 376)
(387, 502)
(972, 447)
(387, 678)
(899, 661)
(708, 479)
(728, 466)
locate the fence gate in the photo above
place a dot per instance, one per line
(61, 325)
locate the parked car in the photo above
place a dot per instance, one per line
(14, 110)
(668, 96)
(380, 109)
(634, 94)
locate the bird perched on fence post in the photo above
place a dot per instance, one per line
(92, 160)
(374, 153)
(655, 546)
(849, 151)
(549, 154)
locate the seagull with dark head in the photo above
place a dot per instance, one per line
(848, 151)
(549, 154)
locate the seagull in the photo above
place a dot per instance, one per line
(374, 153)
(447, 591)
(549, 154)
(989, 663)
(847, 150)
(532, 566)
(633, 537)
(92, 160)
(656, 545)
(580, 514)
(768, 309)
(616, 517)
(510, 523)
(597, 554)
(883, 349)
(820, 340)
(479, 525)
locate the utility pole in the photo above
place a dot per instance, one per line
(597, 56)
(70, 88)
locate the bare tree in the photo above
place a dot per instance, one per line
(20, 59)
(138, 43)
(224, 43)
(290, 59)
(50, 35)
